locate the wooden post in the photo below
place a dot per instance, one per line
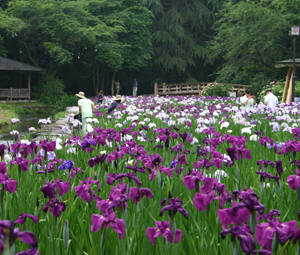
(286, 86)
(155, 89)
(11, 94)
(29, 85)
(289, 96)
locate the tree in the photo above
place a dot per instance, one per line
(180, 31)
(251, 37)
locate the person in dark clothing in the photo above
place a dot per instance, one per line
(114, 105)
(100, 97)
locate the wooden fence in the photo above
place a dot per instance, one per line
(194, 88)
(15, 93)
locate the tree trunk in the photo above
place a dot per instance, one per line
(113, 83)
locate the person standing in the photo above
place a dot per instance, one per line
(135, 87)
(86, 108)
(118, 86)
(248, 101)
(114, 105)
(100, 97)
(271, 100)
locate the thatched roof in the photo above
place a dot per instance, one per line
(13, 65)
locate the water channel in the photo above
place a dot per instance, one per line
(26, 121)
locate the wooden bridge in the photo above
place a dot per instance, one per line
(195, 88)
(15, 93)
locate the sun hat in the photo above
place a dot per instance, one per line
(80, 94)
(118, 98)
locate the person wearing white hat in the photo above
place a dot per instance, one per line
(86, 108)
(114, 105)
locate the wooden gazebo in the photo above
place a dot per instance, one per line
(287, 92)
(13, 65)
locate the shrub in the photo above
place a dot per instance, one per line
(215, 89)
(50, 91)
(66, 101)
(277, 88)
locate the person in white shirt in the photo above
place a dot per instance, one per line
(270, 99)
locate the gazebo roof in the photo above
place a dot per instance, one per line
(13, 65)
(288, 62)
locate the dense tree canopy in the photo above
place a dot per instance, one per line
(86, 44)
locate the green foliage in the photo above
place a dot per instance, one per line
(180, 30)
(215, 89)
(65, 101)
(50, 91)
(251, 37)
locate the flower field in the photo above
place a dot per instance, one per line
(173, 175)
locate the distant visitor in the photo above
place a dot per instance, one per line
(135, 87)
(86, 108)
(271, 100)
(248, 101)
(114, 105)
(118, 86)
(100, 97)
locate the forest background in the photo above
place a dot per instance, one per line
(86, 44)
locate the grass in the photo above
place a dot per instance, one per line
(60, 115)
(6, 115)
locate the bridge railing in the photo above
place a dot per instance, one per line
(14, 93)
(194, 88)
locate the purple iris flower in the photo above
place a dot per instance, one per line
(201, 201)
(294, 180)
(163, 228)
(66, 165)
(2, 149)
(186, 136)
(264, 139)
(74, 170)
(48, 190)
(47, 146)
(23, 216)
(265, 231)
(106, 221)
(155, 159)
(130, 176)
(229, 216)
(117, 198)
(8, 232)
(84, 190)
(232, 153)
(9, 184)
(265, 175)
(136, 194)
(22, 163)
(62, 187)
(173, 164)
(246, 240)
(251, 203)
(32, 251)
(173, 207)
(279, 168)
(297, 162)
(3, 168)
(296, 133)
(56, 207)
(86, 144)
(136, 169)
(97, 160)
(265, 163)
(166, 170)
(192, 179)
